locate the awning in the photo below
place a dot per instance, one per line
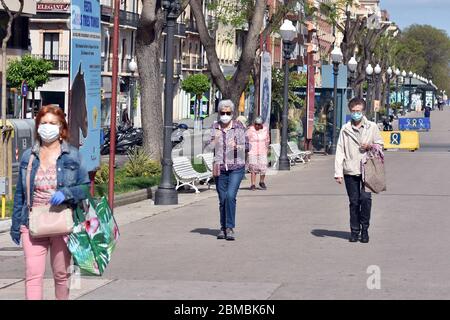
(204, 99)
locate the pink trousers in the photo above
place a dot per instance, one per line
(35, 250)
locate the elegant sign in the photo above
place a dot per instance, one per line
(53, 7)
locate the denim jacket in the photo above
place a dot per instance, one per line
(72, 180)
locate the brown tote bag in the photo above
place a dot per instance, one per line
(47, 221)
(374, 174)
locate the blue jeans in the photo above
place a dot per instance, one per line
(227, 185)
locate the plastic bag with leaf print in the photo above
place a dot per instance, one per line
(94, 237)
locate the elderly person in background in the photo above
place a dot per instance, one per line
(258, 138)
(229, 143)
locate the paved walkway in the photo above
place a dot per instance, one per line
(291, 239)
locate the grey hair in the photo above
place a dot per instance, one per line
(225, 104)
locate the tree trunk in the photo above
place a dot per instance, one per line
(148, 48)
(233, 88)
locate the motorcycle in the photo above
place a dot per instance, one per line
(127, 138)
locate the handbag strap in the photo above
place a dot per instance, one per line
(28, 186)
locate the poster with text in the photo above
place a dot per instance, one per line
(266, 87)
(85, 81)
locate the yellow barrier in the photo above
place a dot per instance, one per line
(401, 140)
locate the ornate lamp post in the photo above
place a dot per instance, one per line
(377, 71)
(166, 193)
(369, 73)
(389, 73)
(404, 74)
(352, 65)
(410, 76)
(288, 33)
(132, 66)
(397, 76)
(336, 57)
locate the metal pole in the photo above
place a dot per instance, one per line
(166, 193)
(369, 95)
(409, 94)
(115, 72)
(388, 102)
(335, 73)
(283, 163)
(132, 93)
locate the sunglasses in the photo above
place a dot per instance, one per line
(228, 113)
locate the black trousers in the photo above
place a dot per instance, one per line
(360, 203)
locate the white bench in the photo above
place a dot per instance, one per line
(208, 159)
(276, 149)
(302, 156)
(186, 175)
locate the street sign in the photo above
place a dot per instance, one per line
(24, 89)
(3, 186)
(414, 124)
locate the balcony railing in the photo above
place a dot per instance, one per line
(123, 65)
(125, 17)
(60, 62)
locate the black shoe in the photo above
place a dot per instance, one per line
(353, 238)
(262, 185)
(253, 188)
(222, 234)
(230, 234)
(364, 236)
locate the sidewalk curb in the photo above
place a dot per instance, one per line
(119, 201)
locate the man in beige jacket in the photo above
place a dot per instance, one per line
(355, 139)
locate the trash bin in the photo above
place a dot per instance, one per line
(23, 138)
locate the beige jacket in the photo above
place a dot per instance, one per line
(348, 154)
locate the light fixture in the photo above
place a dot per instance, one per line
(369, 70)
(377, 69)
(352, 64)
(287, 30)
(397, 72)
(132, 65)
(410, 74)
(336, 55)
(389, 71)
(403, 73)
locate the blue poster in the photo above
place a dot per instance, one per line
(414, 124)
(85, 81)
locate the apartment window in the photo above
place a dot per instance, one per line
(51, 46)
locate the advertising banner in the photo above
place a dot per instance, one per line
(85, 81)
(266, 87)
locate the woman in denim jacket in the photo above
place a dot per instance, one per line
(56, 177)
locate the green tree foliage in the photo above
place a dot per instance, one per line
(296, 80)
(196, 84)
(34, 71)
(425, 50)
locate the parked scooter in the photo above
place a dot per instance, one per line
(127, 138)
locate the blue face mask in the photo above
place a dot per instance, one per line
(357, 116)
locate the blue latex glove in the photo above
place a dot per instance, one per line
(57, 198)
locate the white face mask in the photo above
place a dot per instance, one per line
(48, 132)
(225, 118)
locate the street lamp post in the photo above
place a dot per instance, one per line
(403, 80)
(166, 193)
(410, 76)
(352, 64)
(133, 67)
(288, 32)
(389, 73)
(369, 73)
(377, 71)
(336, 57)
(397, 76)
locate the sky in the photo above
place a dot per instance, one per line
(407, 12)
